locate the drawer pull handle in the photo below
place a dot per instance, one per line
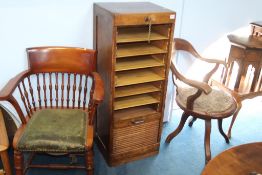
(148, 20)
(137, 122)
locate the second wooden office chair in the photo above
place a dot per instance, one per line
(199, 99)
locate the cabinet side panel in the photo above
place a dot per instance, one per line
(167, 68)
(103, 39)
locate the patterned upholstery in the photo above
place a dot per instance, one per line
(55, 130)
(216, 102)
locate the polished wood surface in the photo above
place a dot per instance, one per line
(256, 28)
(137, 100)
(238, 160)
(245, 51)
(138, 63)
(250, 41)
(137, 34)
(257, 23)
(134, 48)
(136, 77)
(4, 145)
(63, 71)
(202, 87)
(135, 90)
(2, 172)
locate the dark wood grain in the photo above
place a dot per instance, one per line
(47, 64)
(201, 87)
(246, 51)
(110, 19)
(242, 159)
(256, 28)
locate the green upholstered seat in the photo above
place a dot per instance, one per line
(55, 130)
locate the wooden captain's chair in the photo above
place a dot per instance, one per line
(56, 100)
(199, 99)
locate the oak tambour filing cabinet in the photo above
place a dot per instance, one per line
(134, 42)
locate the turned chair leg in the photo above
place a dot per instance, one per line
(191, 122)
(220, 128)
(90, 162)
(207, 140)
(6, 163)
(178, 129)
(239, 106)
(19, 162)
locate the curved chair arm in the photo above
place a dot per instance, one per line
(8, 89)
(209, 74)
(250, 95)
(197, 84)
(98, 88)
(238, 97)
(181, 44)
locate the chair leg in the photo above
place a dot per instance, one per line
(6, 163)
(220, 128)
(191, 122)
(90, 162)
(233, 120)
(207, 140)
(178, 129)
(19, 162)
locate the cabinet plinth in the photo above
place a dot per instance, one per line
(134, 42)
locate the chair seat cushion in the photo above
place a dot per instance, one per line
(55, 130)
(215, 104)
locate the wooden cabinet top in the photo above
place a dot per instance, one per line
(132, 7)
(135, 13)
(251, 42)
(257, 23)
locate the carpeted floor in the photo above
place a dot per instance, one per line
(185, 154)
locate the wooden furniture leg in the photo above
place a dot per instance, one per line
(19, 162)
(4, 144)
(239, 75)
(6, 164)
(191, 122)
(239, 106)
(179, 128)
(220, 128)
(207, 140)
(90, 162)
(228, 71)
(255, 79)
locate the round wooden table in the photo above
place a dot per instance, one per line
(240, 160)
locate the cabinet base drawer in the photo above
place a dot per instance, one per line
(133, 137)
(136, 154)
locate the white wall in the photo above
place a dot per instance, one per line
(69, 23)
(50, 22)
(206, 21)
